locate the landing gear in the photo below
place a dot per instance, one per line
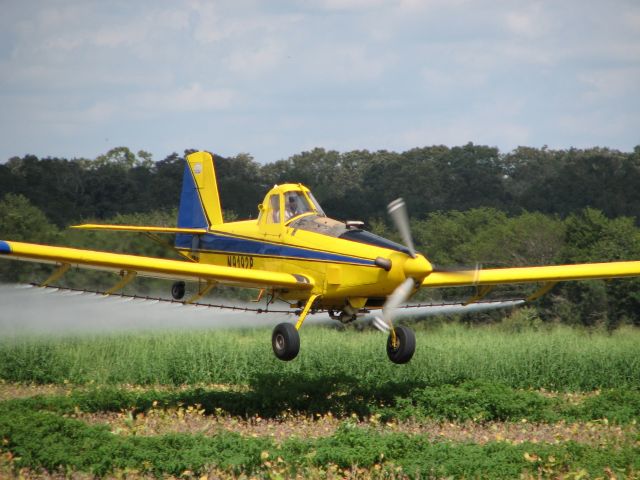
(285, 341)
(401, 350)
(177, 290)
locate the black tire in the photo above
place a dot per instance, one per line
(177, 290)
(405, 348)
(285, 341)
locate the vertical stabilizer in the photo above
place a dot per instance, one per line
(199, 200)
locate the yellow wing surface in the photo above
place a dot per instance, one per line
(138, 229)
(551, 273)
(151, 266)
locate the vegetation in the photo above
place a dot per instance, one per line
(343, 409)
(42, 439)
(557, 359)
(356, 184)
(522, 396)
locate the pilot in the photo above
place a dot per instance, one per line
(291, 207)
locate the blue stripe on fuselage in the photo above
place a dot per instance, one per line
(4, 247)
(236, 245)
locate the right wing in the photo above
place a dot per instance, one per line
(549, 273)
(152, 266)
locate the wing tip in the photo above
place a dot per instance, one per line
(5, 248)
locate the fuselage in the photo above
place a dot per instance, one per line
(346, 264)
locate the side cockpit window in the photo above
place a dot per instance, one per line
(274, 207)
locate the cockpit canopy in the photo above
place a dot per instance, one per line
(287, 202)
(295, 206)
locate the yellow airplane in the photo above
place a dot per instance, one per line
(294, 252)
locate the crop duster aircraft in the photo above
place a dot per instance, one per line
(294, 252)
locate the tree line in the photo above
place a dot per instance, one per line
(354, 185)
(470, 205)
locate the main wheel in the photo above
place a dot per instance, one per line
(405, 345)
(177, 290)
(285, 341)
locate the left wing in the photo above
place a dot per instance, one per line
(151, 266)
(139, 229)
(551, 273)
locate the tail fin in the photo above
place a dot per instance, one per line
(199, 200)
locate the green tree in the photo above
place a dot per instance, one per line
(592, 237)
(120, 156)
(23, 222)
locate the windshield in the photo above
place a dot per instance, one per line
(316, 205)
(295, 203)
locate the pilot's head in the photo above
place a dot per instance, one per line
(291, 204)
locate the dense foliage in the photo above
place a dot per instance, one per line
(483, 379)
(40, 439)
(470, 205)
(559, 359)
(355, 184)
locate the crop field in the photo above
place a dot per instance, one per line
(475, 402)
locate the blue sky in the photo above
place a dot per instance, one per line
(275, 78)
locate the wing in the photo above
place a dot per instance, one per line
(136, 228)
(552, 273)
(151, 266)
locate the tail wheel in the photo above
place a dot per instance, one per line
(285, 341)
(405, 345)
(177, 290)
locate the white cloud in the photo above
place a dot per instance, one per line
(332, 64)
(632, 19)
(605, 84)
(479, 129)
(354, 4)
(596, 128)
(211, 25)
(256, 61)
(453, 78)
(530, 22)
(191, 98)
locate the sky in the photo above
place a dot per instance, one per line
(275, 78)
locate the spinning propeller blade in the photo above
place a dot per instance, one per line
(400, 295)
(398, 211)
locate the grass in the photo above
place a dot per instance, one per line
(558, 359)
(41, 439)
(470, 401)
(470, 376)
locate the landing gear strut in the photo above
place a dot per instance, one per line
(286, 339)
(401, 348)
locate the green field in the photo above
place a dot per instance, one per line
(489, 401)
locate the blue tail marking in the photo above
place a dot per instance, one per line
(190, 213)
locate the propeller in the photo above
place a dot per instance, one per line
(415, 270)
(397, 297)
(398, 212)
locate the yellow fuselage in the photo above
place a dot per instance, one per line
(339, 269)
